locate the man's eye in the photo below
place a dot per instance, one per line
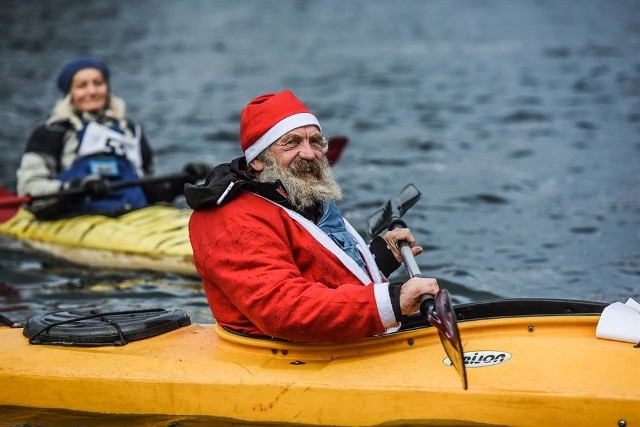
(292, 143)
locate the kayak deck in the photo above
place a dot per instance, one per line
(153, 238)
(556, 371)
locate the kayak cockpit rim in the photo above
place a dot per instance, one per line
(516, 307)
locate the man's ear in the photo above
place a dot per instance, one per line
(256, 165)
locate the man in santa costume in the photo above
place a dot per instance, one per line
(276, 256)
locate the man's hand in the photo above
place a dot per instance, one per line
(392, 238)
(196, 171)
(412, 290)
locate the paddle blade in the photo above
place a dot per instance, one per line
(393, 208)
(336, 147)
(9, 204)
(404, 200)
(443, 318)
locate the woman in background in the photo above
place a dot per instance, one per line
(88, 143)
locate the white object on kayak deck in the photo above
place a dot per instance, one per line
(620, 322)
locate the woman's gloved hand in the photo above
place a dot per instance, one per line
(93, 185)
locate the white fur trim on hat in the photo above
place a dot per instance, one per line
(283, 126)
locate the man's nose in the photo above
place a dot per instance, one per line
(306, 151)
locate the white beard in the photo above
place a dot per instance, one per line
(306, 181)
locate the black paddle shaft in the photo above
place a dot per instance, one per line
(114, 186)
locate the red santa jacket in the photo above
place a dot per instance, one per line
(268, 271)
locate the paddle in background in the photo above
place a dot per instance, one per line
(9, 202)
(336, 147)
(7, 211)
(438, 311)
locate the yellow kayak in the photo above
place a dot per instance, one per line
(153, 238)
(529, 363)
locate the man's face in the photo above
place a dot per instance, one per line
(297, 160)
(305, 143)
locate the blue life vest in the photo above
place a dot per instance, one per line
(111, 165)
(332, 224)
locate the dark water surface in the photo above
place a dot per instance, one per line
(518, 120)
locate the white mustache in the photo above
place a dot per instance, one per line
(306, 181)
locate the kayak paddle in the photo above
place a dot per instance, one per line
(438, 311)
(9, 200)
(336, 147)
(7, 211)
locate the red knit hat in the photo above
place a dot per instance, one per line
(266, 118)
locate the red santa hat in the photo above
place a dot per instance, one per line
(266, 118)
